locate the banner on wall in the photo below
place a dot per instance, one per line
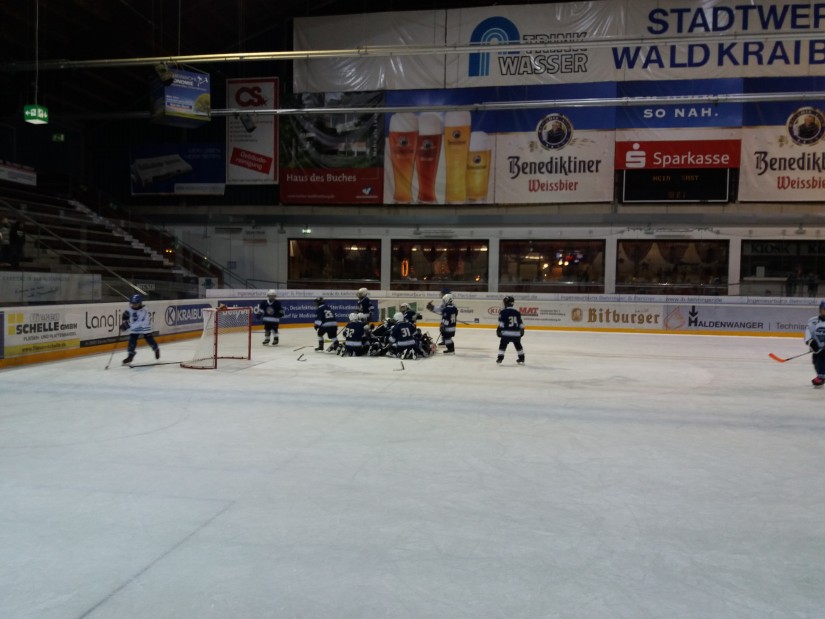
(369, 73)
(252, 140)
(183, 99)
(677, 152)
(783, 152)
(333, 158)
(181, 169)
(503, 157)
(566, 27)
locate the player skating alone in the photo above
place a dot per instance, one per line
(138, 321)
(510, 330)
(270, 312)
(449, 319)
(325, 324)
(815, 339)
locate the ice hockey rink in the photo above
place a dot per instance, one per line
(615, 475)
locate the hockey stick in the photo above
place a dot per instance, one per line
(301, 357)
(114, 349)
(781, 360)
(147, 365)
(401, 369)
(299, 348)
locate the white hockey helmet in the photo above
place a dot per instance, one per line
(399, 317)
(353, 317)
(362, 292)
(404, 307)
(447, 299)
(271, 293)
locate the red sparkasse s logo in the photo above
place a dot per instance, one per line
(681, 154)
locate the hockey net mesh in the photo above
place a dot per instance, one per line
(227, 334)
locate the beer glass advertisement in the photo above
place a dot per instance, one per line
(502, 156)
(332, 158)
(783, 148)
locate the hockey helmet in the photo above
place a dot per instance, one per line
(271, 293)
(445, 290)
(362, 292)
(319, 300)
(404, 307)
(821, 305)
(353, 317)
(447, 299)
(136, 299)
(508, 301)
(399, 317)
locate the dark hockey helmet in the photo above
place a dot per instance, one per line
(319, 300)
(508, 301)
(135, 299)
(821, 305)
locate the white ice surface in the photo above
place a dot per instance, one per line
(614, 476)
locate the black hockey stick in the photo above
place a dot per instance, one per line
(114, 349)
(146, 365)
(783, 360)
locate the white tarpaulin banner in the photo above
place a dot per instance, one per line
(571, 25)
(344, 74)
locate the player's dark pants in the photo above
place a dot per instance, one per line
(330, 332)
(505, 341)
(819, 362)
(134, 337)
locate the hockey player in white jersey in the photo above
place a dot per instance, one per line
(815, 339)
(138, 321)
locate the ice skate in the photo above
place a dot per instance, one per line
(320, 348)
(157, 353)
(266, 341)
(818, 381)
(520, 360)
(499, 360)
(129, 358)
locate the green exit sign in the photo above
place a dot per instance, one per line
(36, 114)
(58, 137)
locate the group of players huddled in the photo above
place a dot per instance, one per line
(398, 335)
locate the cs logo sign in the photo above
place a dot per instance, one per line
(250, 96)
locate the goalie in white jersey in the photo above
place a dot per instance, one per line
(138, 321)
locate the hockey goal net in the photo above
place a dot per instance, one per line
(227, 334)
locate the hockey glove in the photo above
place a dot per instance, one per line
(814, 346)
(316, 327)
(498, 332)
(124, 326)
(418, 316)
(430, 305)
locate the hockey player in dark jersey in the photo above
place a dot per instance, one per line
(510, 330)
(270, 313)
(410, 315)
(449, 319)
(356, 336)
(402, 338)
(815, 339)
(325, 324)
(364, 306)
